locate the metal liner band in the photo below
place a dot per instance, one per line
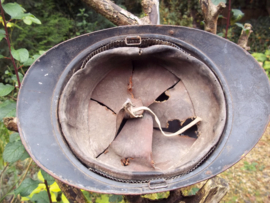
(145, 42)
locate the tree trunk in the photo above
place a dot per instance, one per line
(120, 16)
(210, 14)
(243, 39)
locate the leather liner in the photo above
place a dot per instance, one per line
(172, 56)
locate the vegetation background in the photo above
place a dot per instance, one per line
(51, 22)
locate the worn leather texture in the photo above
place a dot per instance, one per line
(93, 98)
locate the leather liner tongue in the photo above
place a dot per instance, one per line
(132, 147)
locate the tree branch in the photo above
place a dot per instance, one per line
(243, 39)
(48, 191)
(119, 16)
(151, 10)
(9, 46)
(212, 191)
(114, 13)
(11, 123)
(228, 19)
(210, 14)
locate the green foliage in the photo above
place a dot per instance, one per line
(20, 55)
(47, 177)
(14, 10)
(13, 151)
(5, 89)
(237, 15)
(41, 197)
(264, 60)
(29, 19)
(259, 40)
(14, 137)
(193, 191)
(103, 199)
(27, 186)
(7, 109)
(4, 137)
(184, 13)
(115, 198)
(55, 29)
(154, 196)
(250, 166)
(260, 57)
(2, 34)
(89, 21)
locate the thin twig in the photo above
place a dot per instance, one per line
(21, 179)
(9, 47)
(228, 19)
(27, 169)
(48, 191)
(13, 199)
(2, 173)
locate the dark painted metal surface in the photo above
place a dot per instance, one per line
(245, 85)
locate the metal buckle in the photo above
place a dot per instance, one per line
(133, 40)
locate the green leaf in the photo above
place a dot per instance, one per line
(266, 65)
(14, 137)
(220, 16)
(103, 199)
(267, 53)
(260, 57)
(31, 60)
(115, 198)
(247, 31)
(20, 54)
(2, 34)
(1, 56)
(13, 151)
(65, 200)
(41, 52)
(14, 10)
(2, 1)
(14, 78)
(41, 197)
(194, 191)
(87, 196)
(24, 156)
(46, 176)
(5, 89)
(237, 14)
(31, 19)
(240, 25)
(27, 186)
(27, 21)
(216, 2)
(7, 109)
(221, 34)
